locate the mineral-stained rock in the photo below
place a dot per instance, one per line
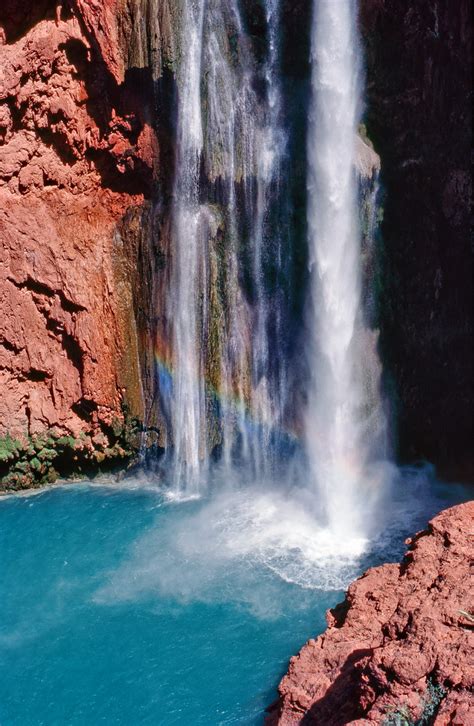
(400, 644)
(77, 151)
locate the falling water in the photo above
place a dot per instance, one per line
(226, 231)
(345, 422)
(188, 388)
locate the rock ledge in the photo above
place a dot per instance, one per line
(399, 648)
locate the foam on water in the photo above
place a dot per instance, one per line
(250, 530)
(240, 537)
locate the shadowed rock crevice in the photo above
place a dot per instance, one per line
(17, 17)
(344, 689)
(35, 286)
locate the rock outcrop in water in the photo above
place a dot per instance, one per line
(399, 647)
(77, 153)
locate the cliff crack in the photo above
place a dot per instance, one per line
(41, 288)
(11, 347)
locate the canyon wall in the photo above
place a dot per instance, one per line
(419, 78)
(78, 153)
(87, 128)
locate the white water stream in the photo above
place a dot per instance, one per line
(227, 310)
(226, 390)
(345, 420)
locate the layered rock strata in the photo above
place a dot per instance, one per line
(399, 648)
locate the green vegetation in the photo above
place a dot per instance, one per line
(399, 717)
(362, 131)
(10, 449)
(430, 702)
(33, 461)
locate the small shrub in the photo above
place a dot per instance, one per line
(430, 702)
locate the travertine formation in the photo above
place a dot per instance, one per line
(400, 646)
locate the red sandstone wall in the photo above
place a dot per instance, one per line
(76, 151)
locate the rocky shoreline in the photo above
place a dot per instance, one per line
(398, 649)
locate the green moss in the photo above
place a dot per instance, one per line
(10, 448)
(51, 476)
(66, 442)
(117, 426)
(169, 64)
(36, 464)
(362, 130)
(41, 459)
(47, 454)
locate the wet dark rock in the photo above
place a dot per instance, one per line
(420, 118)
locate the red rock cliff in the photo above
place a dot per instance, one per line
(77, 151)
(399, 646)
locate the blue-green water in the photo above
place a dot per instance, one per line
(119, 607)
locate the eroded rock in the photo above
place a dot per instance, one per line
(400, 644)
(78, 151)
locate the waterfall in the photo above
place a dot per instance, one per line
(345, 422)
(187, 274)
(221, 386)
(230, 384)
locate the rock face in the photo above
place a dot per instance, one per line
(399, 648)
(419, 117)
(78, 151)
(87, 124)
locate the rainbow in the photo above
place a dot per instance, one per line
(228, 402)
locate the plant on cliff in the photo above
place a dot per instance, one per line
(399, 716)
(9, 449)
(41, 459)
(430, 703)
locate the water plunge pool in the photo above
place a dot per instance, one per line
(122, 607)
